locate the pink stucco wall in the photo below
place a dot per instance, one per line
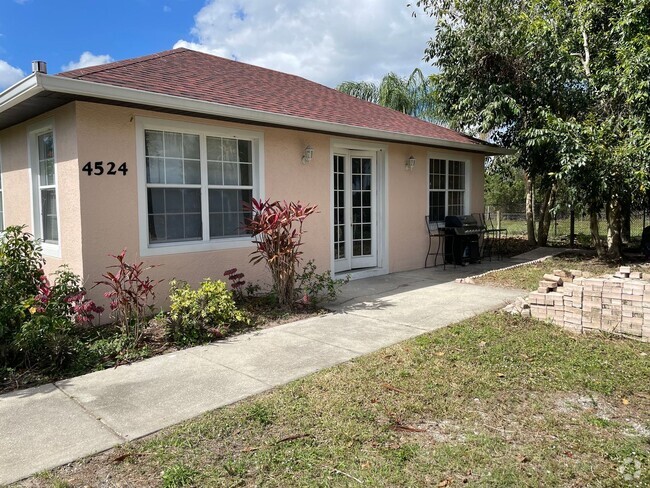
(99, 215)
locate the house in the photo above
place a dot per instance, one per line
(155, 154)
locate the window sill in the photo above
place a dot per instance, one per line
(201, 246)
(51, 250)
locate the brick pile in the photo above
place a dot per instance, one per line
(577, 301)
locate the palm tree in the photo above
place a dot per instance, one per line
(413, 95)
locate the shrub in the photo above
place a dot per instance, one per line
(48, 337)
(130, 292)
(201, 315)
(21, 266)
(47, 341)
(318, 287)
(277, 231)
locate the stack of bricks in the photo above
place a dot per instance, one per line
(581, 303)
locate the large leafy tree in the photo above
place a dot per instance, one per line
(563, 81)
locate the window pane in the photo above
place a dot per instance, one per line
(173, 200)
(230, 174)
(48, 215)
(191, 146)
(153, 141)
(156, 200)
(456, 202)
(214, 148)
(173, 171)
(173, 145)
(46, 146)
(246, 174)
(192, 201)
(230, 150)
(192, 172)
(216, 200)
(215, 173)
(245, 151)
(155, 170)
(157, 228)
(437, 206)
(46, 172)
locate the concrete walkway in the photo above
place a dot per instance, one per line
(54, 424)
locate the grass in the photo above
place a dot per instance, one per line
(528, 277)
(496, 400)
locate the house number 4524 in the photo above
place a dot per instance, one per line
(100, 168)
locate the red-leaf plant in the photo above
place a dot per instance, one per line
(130, 292)
(277, 231)
(237, 282)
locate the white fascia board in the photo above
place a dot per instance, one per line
(19, 92)
(99, 90)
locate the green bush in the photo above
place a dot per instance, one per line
(316, 287)
(47, 341)
(201, 315)
(21, 266)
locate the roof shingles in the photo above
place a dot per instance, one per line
(200, 76)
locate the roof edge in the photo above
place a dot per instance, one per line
(38, 82)
(20, 91)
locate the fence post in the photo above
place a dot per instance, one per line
(572, 228)
(498, 219)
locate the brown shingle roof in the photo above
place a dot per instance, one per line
(200, 76)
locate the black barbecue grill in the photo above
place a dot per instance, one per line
(462, 239)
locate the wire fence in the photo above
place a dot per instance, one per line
(560, 229)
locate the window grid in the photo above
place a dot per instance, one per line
(361, 207)
(176, 192)
(339, 207)
(446, 188)
(47, 187)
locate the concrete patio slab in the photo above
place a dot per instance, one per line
(359, 334)
(42, 428)
(273, 356)
(147, 396)
(432, 307)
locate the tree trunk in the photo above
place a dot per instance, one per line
(614, 221)
(530, 219)
(544, 224)
(626, 223)
(595, 233)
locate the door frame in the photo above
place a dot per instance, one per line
(338, 145)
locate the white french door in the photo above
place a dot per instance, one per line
(355, 210)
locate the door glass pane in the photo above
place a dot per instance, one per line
(339, 207)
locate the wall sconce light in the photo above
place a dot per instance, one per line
(410, 163)
(307, 155)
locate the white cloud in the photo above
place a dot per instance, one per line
(9, 74)
(328, 42)
(87, 59)
(167, 9)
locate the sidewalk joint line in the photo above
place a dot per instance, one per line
(91, 415)
(212, 361)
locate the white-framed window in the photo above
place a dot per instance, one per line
(194, 182)
(448, 188)
(42, 150)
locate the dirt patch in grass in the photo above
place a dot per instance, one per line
(527, 277)
(496, 400)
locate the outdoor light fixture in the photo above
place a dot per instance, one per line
(308, 155)
(410, 163)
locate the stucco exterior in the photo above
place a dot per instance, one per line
(99, 214)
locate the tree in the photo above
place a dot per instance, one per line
(413, 95)
(563, 81)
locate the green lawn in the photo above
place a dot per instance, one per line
(496, 400)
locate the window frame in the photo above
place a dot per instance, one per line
(203, 131)
(33, 132)
(447, 157)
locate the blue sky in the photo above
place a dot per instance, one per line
(326, 41)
